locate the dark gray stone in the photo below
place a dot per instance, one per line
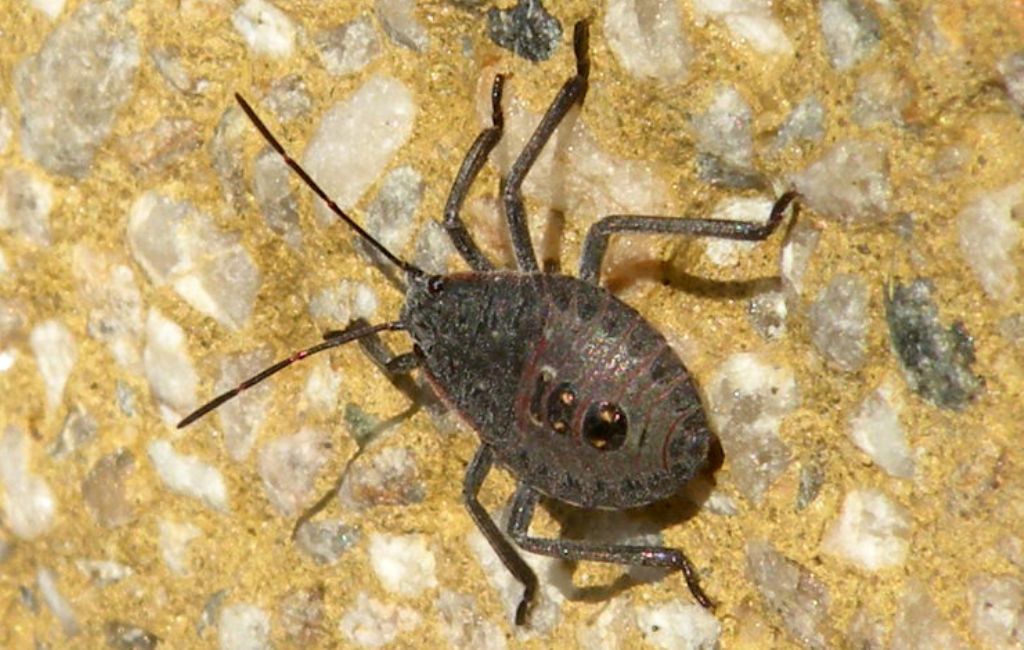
(526, 29)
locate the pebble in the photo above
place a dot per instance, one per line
(881, 97)
(55, 352)
(6, 130)
(675, 626)
(797, 251)
(527, 29)
(125, 636)
(325, 541)
(52, 8)
(871, 532)
(25, 205)
(767, 311)
(805, 124)
(356, 140)
(389, 477)
(849, 183)
(373, 624)
(349, 47)
(188, 476)
(162, 145)
(812, 478)
(322, 388)
(227, 154)
(611, 627)
(104, 490)
(1011, 68)
(56, 602)
(851, 31)
(209, 268)
(78, 430)
(243, 626)
(301, 613)
(174, 539)
(241, 418)
(865, 632)
(398, 19)
(646, 37)
(288, 98)
(404, 564)
(168, 367)
(336, 306)
(115, 304)
(71, 91)
(990, 234)
(748, 400)
(29, 505)
(391, 217)
(997, 611)
(875, 429)
(749, 21)
(103, 573)
(936, 360)
(266, 30)
(838, 322)
(723, 130)
(167, 61)
(433, 248)
(919, 624)
(462, 626)
(793, 593)
(271, 188)
(289, 466)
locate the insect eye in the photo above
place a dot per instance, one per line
(435, 285)
(561, 405)
(605, 426)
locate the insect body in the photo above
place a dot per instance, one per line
(569, 388)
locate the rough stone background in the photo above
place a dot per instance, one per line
(150, 255)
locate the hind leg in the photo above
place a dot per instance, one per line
(523, 504)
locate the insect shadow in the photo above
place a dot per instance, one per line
(569, 389)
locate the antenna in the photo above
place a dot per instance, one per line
(308, 180)
(331, 340)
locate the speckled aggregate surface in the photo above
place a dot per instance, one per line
(932, 88)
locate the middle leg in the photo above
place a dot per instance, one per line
(525, 501)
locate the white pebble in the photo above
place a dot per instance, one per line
(646, 37)
(357, 138)
(851, 31)
(56, 601)
(51, 8)
(749, 398)
(399, 22)
(724, 252)
(997, 611)
(174, 539)
(373, 624)
(28, 506)
(55, 352)
(724, 128)
(462, 625)
(266, 29)
(168, 367)
(289, 466)
(871, 532)
(243, 627)
(348, 48)
(850, 183)
(25, 204)
(322, 386)
(990, 235)
(103, 573)
(875, 429)
(241, 418)
(749, 21)
(189, 476)
(675, 626)
(403, 563)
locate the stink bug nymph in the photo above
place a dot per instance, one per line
(568, 387)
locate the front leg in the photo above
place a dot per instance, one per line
(597, 238)
(523, 505)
